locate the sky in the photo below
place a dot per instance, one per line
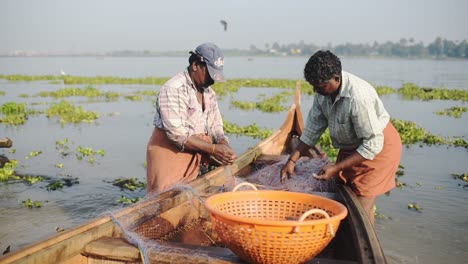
(177, 25)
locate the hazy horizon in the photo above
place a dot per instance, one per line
(107, 25)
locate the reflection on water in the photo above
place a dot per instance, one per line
(437, 234)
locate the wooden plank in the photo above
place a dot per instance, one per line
(114, 248)
(183, 253)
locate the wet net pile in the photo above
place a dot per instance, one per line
(302, 180)
(164, 233)
(158, 235)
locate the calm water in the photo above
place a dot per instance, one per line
(436, 234)
(390, 72)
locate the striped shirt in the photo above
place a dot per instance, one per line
(179, 113)
(356, 119)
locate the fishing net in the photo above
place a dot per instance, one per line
(302, 180)
(164, 233)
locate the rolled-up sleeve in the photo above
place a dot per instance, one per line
(368, 128)
(315, 125)
(173, 109)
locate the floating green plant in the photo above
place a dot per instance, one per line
(88, 91)
(2, 93)
(411, 133)
(62, 146)
(13, 113)
(462, 176)
(35, 153)
(149, 93)
(129, 183)
(383, 90)
(126, 200)
(55, 185)
(455, 111)
(134, 97)
(32, 204)
(89, 153)
(414, 206)
(251, 130)
(269, 104)
(378, 214)
(326, 145)
(29, 78)
(59, 184)
(400, 172)
(412, 91)
(8, 170)
(399, 184)
(69, 113)
(111, 96)
(31, 179)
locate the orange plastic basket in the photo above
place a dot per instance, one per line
(274, 226)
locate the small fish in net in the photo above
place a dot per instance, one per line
(302, 180)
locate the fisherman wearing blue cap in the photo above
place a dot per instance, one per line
(188, 128)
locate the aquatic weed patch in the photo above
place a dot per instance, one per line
(412, 91)
(89, 153)
(31, 204)
(251, 130)
(60, 183)
(411, 133)
(13, 113)
(88, 91)
(70, 113)
(129, 183)
(125, 200)
(268, 104)
(8, 170)
(456, 111)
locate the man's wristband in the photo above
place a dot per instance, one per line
(292, 160)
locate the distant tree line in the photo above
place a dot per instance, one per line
(405, 48)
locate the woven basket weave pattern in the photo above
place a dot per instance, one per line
(259, 226)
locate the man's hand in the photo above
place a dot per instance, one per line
(327, 172)
(287, 170)
(224, 154)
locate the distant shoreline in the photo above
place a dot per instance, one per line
(227, 54)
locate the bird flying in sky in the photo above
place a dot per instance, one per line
(224, 23)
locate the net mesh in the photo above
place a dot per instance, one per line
(171, 234)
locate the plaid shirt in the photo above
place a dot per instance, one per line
(179, 113)
(356, 119)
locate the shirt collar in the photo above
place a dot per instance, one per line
(344, 89)
(189, 80)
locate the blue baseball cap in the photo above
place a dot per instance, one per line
(214, 59)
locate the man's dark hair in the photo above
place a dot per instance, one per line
(195, 57)
(321, 67)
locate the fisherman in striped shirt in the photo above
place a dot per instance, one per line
(188, 127)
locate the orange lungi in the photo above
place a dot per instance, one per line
(377, 176)
(167, 166)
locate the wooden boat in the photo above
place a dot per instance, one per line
(178, 222)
